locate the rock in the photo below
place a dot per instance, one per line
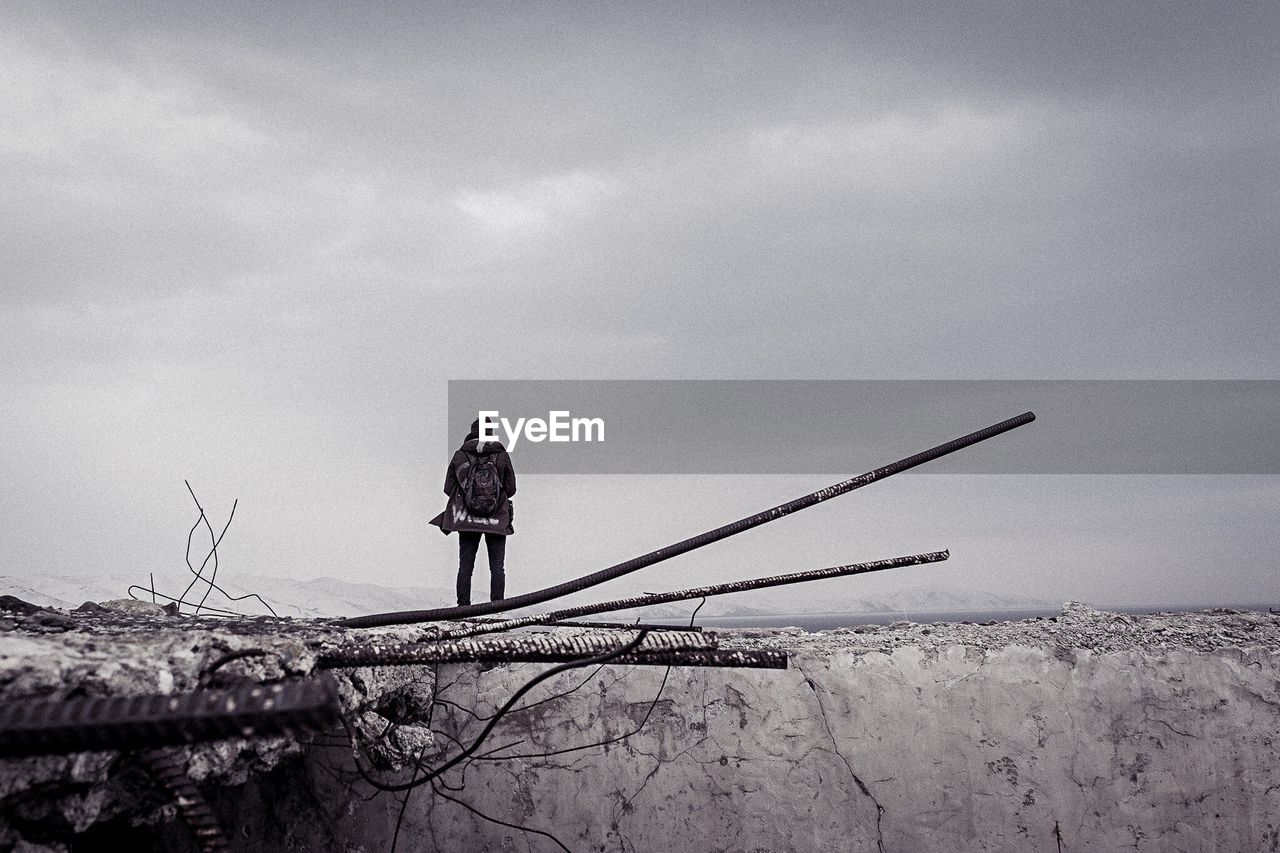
(90, 607)
(46, 621)
(130, 605)
(13, 604)
(1076, 610)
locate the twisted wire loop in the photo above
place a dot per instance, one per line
(83, 724)
(697, 592)
(522, 648)
(702, 539)
(168, 767)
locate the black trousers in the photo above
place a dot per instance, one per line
(468, 545)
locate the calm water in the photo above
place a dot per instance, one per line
(827, 621)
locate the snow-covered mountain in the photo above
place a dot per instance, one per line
(311, 598)
(335, 597)
(796, 601)
(919, 597)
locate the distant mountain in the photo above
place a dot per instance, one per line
(799, 600)
(335, 597)
(64, 592)
(920, 597)
(312, 598)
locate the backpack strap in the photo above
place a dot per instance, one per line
(471, 461)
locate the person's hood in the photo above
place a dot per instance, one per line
(471, 445)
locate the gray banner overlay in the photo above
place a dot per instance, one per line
(846, 427)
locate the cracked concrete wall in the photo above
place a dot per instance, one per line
(1089, 731)
(107, 800)
(914, 748)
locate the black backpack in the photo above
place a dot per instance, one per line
(481, 485)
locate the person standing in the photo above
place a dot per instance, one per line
(480, 482)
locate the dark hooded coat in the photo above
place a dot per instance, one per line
(456, 516)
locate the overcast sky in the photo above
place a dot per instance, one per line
(247, 245)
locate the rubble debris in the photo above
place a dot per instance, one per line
(132, 605)
(109, 653)
(13, 604)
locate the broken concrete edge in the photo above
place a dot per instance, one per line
(112, 653)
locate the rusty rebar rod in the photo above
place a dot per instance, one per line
(725, 658)
(609, 626)
(697, 592)
(515, 648)
(168, 767)
(89, 723)
(702, 539)
(722, 658)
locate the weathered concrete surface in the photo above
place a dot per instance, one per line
(1084, 729)
(98, 800)
(1088, 732)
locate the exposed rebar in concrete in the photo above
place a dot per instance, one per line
(611, 626)
(727, 658)
(89, 723)
(168, 768)
(516, 648)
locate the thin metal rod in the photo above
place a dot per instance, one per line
(702, 539)
(215, 611)
(698, 592)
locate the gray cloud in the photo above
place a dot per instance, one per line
(251, 243)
